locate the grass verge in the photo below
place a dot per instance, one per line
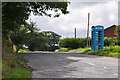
(113, 51)
(13, 64)
(79, 50)
(63, 50)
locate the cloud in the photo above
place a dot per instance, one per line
(101, 13)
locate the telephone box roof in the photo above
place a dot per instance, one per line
(97, 26)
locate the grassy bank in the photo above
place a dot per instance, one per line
(113, 51)
(13, 64)
(73, 50)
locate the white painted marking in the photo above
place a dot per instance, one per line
(59, 59)
(74, 58)
(115, 74)
(105, 67)
(90, 63)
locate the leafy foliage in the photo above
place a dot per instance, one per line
(23, 35)
(28, 36)
(33, 39)
(36, 41)
(15, 14)
(110, 41)
(73, 43)
(53, 39)
(15, 30)
(118, 33)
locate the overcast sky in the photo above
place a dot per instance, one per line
(101, 13)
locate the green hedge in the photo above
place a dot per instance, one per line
(74, 43)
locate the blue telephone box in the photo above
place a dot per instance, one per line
(97, 41)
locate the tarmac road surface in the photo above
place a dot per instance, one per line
(71, 65)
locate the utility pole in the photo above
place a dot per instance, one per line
(88, 30)
(75, 32)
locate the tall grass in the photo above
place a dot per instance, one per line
(13, 64)
(79, 50)
(19, 73)
(23, 50)
(63, 50)
(113, 51)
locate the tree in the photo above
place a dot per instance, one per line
(15, 14)
(29, 36)
(117, 32)
(36, 41)
(53, 39)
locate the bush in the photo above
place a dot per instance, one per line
(110, 41)
(73, 43)
(117, 33)
(114, 54)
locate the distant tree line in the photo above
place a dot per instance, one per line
(73, 43)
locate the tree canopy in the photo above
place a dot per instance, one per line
(15, 14)
(53, 39)
(30, 37)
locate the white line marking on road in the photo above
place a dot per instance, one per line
(115, 74)
(105, 67)
(90, 63)
(74, 58)
(59, 59)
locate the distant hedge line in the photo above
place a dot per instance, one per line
(74, 43)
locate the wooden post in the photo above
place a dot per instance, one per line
(88, 30)
(75, 32)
